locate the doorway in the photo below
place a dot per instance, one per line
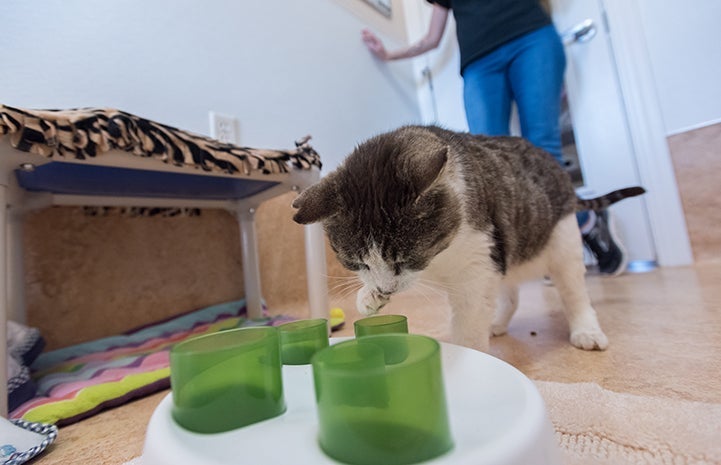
(600, 139)
(598, 142)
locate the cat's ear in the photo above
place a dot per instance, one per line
(317, 202)
(431, 168)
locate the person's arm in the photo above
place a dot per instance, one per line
(439, 17)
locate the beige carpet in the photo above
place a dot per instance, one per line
(595, 426)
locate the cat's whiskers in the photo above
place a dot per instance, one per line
(345, 294)
(342, 278)
(441, 287)
(421, 290)
(425, 286)
(346, 287)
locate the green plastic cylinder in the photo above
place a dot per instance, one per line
(373, 412)
(300, 340)
(227, 380)
(380, 324)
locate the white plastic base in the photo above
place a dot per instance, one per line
(497, 417)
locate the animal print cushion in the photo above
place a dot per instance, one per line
(88, 132)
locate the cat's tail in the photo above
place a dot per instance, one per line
(599, 203)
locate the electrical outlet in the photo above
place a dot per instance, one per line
(224, 128)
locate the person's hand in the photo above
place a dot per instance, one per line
(374, 44)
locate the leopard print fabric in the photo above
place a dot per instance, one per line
(88, 132)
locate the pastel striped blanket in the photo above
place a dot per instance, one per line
(81, 380)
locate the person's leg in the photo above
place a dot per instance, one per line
(487, 96)
(536, 77)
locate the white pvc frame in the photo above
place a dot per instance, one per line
(18, 202)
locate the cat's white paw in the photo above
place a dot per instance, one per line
(369, 302)
(589, 340)
(498, 329)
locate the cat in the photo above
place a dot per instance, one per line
(476, 214)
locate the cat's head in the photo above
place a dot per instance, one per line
(388, 210)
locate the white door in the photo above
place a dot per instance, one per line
(602, 140)
(600, 128)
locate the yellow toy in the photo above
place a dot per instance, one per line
(337, 318)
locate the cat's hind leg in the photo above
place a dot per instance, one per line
(505, 308)
(567, 271)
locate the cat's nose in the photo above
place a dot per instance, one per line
(384, 292)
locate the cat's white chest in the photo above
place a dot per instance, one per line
(469, 251)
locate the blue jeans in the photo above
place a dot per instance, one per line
(528, 70)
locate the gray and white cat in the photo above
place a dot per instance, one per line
(476, 214)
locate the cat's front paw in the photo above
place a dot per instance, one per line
(369, 302)
(499, 329)
(589, 340)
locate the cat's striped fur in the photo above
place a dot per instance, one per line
(475, 214)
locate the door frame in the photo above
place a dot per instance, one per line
(648, 132)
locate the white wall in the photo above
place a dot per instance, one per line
(683, 38)
(443, 104)
(285, 68)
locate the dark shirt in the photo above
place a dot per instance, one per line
(484, 25)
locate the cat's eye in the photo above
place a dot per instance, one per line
(352, 265)
(398, 267)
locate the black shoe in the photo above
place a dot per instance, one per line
(605, 246)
